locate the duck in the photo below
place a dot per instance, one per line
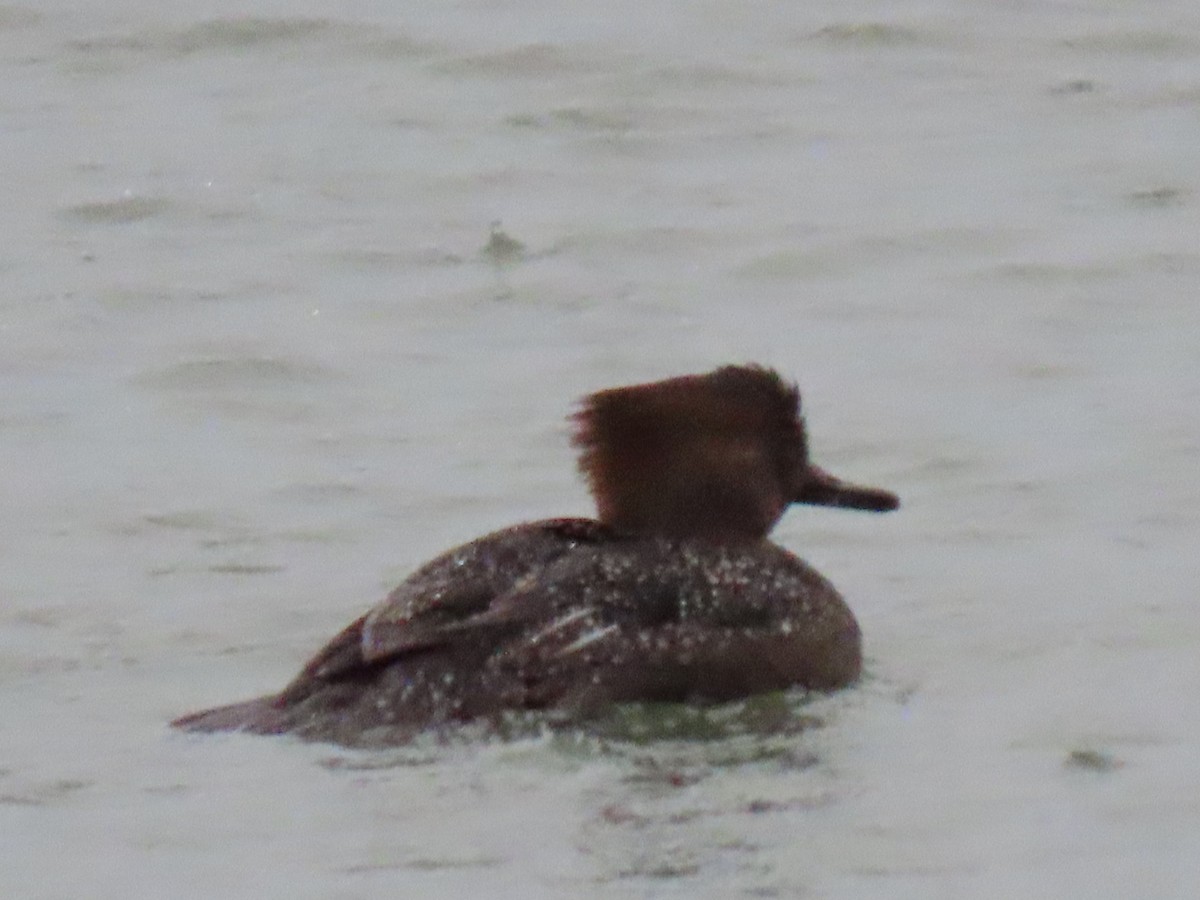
(673, 593)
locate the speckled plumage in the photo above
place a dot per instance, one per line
(575, 614)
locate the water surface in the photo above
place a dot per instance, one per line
(262, 354)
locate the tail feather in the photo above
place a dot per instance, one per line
(262, 715)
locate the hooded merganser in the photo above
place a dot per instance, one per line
(672, 594)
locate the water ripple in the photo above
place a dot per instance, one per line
(125, 209)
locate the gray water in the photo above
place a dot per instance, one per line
(261, 355)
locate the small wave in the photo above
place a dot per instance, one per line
(236, 372)
(213, 35)
(122, 211)
(529, 61)
(287, 34)
(871, 34)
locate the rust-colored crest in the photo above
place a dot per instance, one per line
(709, 455)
